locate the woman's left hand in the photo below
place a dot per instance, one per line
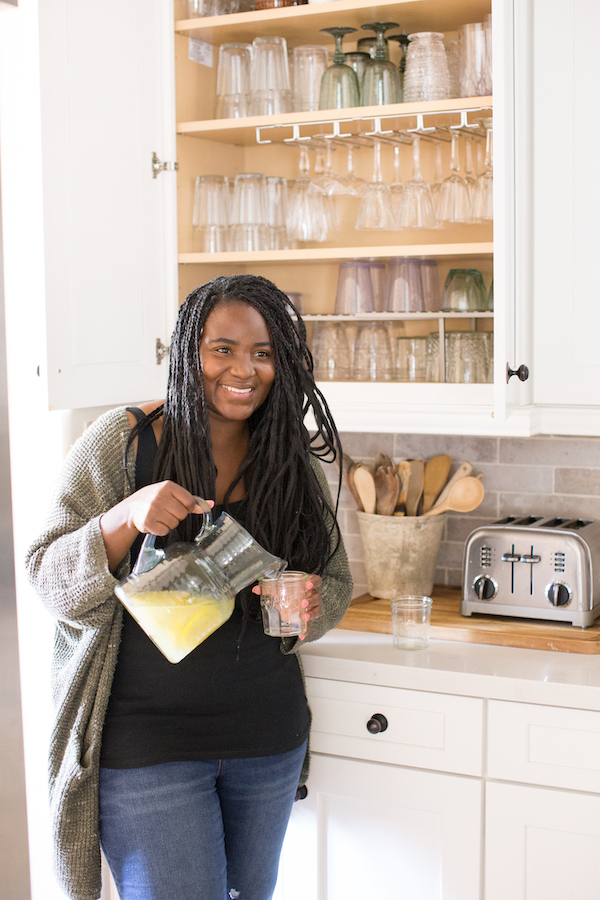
(312, 602)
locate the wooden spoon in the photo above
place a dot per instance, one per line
(463, 470)
(436, 475)
(403, 469)
(348, 467)
(382, 459)
(387, 488)
(415, 486)
(464, 495)
(364, 482)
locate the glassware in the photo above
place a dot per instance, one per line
(410, 622)
(483, 199)
(404, 286)
(277, 212)
(354, 293)
(455, 203)
(233, 81)
(249, 212)
(281, 600)
(464, 291)
(403, 43)
(474, 71)
(331, 352)
(426, 76)
(357, 60)
(469, 168)
(417, 203)
(430, 279)
(270, 77)
(339, 85)
(451, 48)
(375, 210)
(468, 357)
(377, 268)
(396, 187)
(381, 79)
(210, 213)
(351, 183)
(372, 353)
(309, 61)
(307, 215)
(436, 187)
(328, 182)
(411, 358)
(180, 595)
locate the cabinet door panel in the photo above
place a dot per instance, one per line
(109, 226)
(371, 830)
(541, 844)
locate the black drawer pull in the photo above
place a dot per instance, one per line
(377, 723)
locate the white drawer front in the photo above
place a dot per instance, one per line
(425, 730)
(544, 745)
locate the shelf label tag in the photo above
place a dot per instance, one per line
(200, 52)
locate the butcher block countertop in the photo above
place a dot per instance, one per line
(447, 624)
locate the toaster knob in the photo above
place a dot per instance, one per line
(559, 593)
(485, 587)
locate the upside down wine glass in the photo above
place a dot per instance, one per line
(381, 79)
(339, 84)
(417, 204)
(376, 210)
(455, 204)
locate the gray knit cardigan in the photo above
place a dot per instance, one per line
(68, 567)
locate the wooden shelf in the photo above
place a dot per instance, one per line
(303, 23)
(395, 317)
(334, 254)
(397, 116)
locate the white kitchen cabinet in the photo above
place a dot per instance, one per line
(373, 830)
(541, 844)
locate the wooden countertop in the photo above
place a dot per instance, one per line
(447, 624)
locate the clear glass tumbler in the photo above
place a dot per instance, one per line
(473, 60)
(404, 286)
(411, 358)
(210, 213)
(410, 622)
(426, 76)
(249, 213)
(309, 63)
(373, 353)
(354, 292)
(233, 81)
(464, 291)
(331, 352)
(270, 77)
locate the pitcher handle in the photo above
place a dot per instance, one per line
(149, 556)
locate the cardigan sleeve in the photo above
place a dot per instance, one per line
(67, 563)
(336, 589)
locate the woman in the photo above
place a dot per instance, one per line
(185, 774)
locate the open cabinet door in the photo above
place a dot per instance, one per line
(512, 203)
(107, 105)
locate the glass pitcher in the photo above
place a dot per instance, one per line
(180, 595)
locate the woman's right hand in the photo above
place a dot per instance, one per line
(154, 509)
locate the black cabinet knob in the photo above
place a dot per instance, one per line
(377, 723)
(522, 373)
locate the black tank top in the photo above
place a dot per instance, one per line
(235, 695)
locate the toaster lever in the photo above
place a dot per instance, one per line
(531, 558)
(511, 557)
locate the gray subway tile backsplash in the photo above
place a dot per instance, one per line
(545, 475)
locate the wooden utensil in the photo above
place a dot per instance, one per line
(464, 495)
(463, 470)
(382, 459)
(436, 475)
(387, 488)
(348, 467)
(415, 486)
(364, 482)
(403, 469)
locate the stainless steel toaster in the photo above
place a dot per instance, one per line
(534, 567)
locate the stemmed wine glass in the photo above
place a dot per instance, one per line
(352, 183)
(396, 187)
(339, 84)
(455, 205)
(307, 216)
(328, 182)
(417, 204)
(376, 210)
(381, 79)
(483, 203)
(403, 42)
(436, 187)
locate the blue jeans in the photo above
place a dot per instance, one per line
(208, 830)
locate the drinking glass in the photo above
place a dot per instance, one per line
(404, 286)
(410, 622)
(377, 268)
(309, 61)
(339, 84)
(451, 48)
(276, 190)
(430, 279)
(354, 293)
(270, 78)
(357, 60)
(483, 199)
(307, 215)
(470, 168)
(411, 358)
(233, 81)
(249, 212)
(381, 79)
(403, 44)
(417, 205)
(455, 205)
(432, 364)
(331, 352)
(467, 357)
(210, 213)
(328, 182)
(473, 60)
(426, 76)
(375, 210)
(464, 291)
(372, 353)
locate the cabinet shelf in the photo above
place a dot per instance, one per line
(395, 317)
(244, 130)
(303, 23)
(333, 254)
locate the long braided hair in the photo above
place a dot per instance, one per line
(286, 510)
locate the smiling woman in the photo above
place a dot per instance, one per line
(209, 752)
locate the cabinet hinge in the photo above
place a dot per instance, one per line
(158, 166)
(161, 351)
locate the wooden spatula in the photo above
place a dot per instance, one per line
(364, 482)
(387, 488)
(415, 486)
(403, 469)
(436, 475)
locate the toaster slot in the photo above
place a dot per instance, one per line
(557, 522)
(528, 520)
(576, 524)
(508, 520)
